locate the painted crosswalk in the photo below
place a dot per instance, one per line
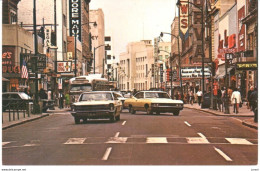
(160, 140)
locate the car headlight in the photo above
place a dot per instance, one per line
(111, 106)
(155, 105)
(73, 108)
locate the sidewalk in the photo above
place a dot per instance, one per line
(12, 120)
(243, 112)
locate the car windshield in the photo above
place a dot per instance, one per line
(24, 96)
(81, 88)
(156, 95)
(96, 97)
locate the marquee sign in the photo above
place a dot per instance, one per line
(8, 60)
(246, 66)
(75, 18)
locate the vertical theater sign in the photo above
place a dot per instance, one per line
(184, 18)
(75, 18)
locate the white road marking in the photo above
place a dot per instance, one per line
(187, 123)
(124, 123)
(117, 134)
(223, 154)
(30, 145)
(197, 140)
(75, 141)
(202, 136)
(241, 141)
(156, 140)
(106, 155)
(116, 140)
(4, 143)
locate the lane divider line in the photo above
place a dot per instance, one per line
(107, 153)
(223, 154)
(124, 123)
(201, 135)
(117, 134)
(187, 123)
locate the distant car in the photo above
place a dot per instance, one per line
(206, 100)
(121, 98)
(97, 105)
(14, 100)
(153, 101)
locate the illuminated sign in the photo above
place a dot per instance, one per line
(8, 60)
(246, 66)
(184, 18)
(228, 45)
(64, 66)
(75, 18)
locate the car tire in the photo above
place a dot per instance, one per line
(77, 120)
(85, 120)
(131, 110)
(176, 113)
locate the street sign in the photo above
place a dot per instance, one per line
(161, 72)
(228, 58)
(174, 75)
(41, 61)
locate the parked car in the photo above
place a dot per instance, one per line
(206, 100)
(15, 100)
(97, 105)
(153, 101)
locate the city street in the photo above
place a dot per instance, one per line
(192, 138)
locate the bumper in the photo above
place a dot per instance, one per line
(166, 108)
(93, 114)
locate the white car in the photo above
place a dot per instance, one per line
(96, 105)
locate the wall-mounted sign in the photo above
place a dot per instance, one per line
(246, 66)
(184, 18)
(69, 56)
(47, 37)
(241, 29)
(75, 18)
(64, 66)
(8, 60)
(228, 45)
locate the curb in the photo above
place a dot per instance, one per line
(25, 121)
(229, 115)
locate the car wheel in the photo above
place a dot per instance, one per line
(77, 120)
(118, 117)
(131, 110)
(176, 113)
(157, 113)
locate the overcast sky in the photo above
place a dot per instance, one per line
(135, 20)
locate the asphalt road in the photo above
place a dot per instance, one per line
(192, 138)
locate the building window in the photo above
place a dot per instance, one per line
(109, 66)
(160, 57)
(167, 48)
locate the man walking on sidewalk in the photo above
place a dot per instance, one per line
(236, 100)
(199, 94)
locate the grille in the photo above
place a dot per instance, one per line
(169, 104)
(92, 108)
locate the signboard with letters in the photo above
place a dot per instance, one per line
(246, 66)
(8, 60)
(64, 66)
(75, 18)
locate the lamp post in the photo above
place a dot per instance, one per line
(202, 37)
(94, 67)
(179, 57)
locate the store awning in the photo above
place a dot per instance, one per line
(4, 79)
(222, 73)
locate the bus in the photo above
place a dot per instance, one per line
(92, 82)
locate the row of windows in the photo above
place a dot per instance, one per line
(140, 59)
(166, 48)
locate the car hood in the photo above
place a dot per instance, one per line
(93, 103)
(162, 100)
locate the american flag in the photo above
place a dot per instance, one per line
(24, 70)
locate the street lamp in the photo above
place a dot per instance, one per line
(179, 55)
(95, 54)
(202, 38)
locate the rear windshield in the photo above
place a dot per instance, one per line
(156, 95)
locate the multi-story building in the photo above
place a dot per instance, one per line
(15, 40)
(98, 39)
(110, 60)
(135, 66)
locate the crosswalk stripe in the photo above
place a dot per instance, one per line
(75, 141)
(156, 140)
(223, 154)
(117, 140)
(197, 140)
(238, 141)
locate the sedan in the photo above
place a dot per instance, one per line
(15, 100)
(97, 105)
(153, 101)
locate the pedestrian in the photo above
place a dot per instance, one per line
(178, 96)
(67, 100)
(219, 100)
(229, 92)
(236, 100)
(61, 100)
(249, 104)
(223, 92)
(199, 94)
(191, 95)
(253, 98)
